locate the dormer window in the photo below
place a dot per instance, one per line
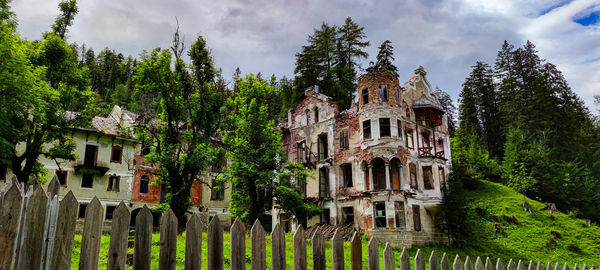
(365, 96)
(383, 93)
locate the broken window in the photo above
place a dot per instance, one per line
(300, 152)
(346, 175)
(322, 144)
(145, 149)
(325, 216)
(87, 180)
(380, 217)
(347, 215)
(217, 192)
(110, 209)
(365, 96)
(384, 127)
(383, 93)
(81, 212)
(426, 142)
(113, 183)
(409, 139)
(399, 214)
(316, 115)
(378, 174)
(323, 181)
(427, 177)
(399, 123)
(144, 184)
(90, 155)
(116, 154)
(416, 217)
(398, 98)
(413, 176)
(367, 129)
(344, 140)
(61, 176)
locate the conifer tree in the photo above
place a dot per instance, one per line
(384, 59)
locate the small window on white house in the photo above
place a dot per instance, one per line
(399, 211)
(62, 177)
(87, 180)
(113, 183)
(347, 215)
(144, 184)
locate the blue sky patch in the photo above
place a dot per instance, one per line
(589, 19)
(562, 3)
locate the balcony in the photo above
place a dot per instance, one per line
(88, 167)
(425, 152)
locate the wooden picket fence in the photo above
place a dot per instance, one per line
(37, 232)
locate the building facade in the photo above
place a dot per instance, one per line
(379, 165)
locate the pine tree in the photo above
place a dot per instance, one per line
(446, 102)
(384, 59)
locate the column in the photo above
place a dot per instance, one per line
(388, 185)
(370, 166)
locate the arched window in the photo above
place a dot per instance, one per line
(144, 184)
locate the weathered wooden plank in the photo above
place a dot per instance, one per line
(373, 254)
(404, 260)
(531, 265)
(556, 266)
(479, 264)
(576, 267)
(388, 258)
(238, 245)
(488, 264)
(433, 261)
(337, 251)
(168, 241)
(33, 230)
(92, 232)
(53, 187)
(457, 265)
(520, 265)
(511, 265)
(49, 230)
(499, 264)
(60, 258)
(356, 252)
(277, 248)
(419, 260)
(318, 251)
(299, 249)
(468, 263)
(119, 234)
(584, 267)
(539, 266)
(259, 246)
(10, 213)
(193, 243)
(445, 264)
(142, 248)
(566, 267)
(214, 243)
(548, 266)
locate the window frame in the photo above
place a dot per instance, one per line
(344, 139)
(385, 127)
(66, 174)
(83, 180)
(110, 179)
(322, 147)
(107, 213)
(367, 130)
(323, 182)
(147, 184)
(410, 142)
(346, 170)
(400, 130)
(399, 214)
(112, 154)
(365, 96)
(428, 183)
(345, 218)
(416, 217)
(383, 93)
(377, 218)
(80, 208)
(216, 195)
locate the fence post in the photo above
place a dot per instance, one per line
(277, 248)
(404, 260)
(538, 266)
(92, 232)
(49, 230)
(419, 260)
(33, 230)
(575, 267)
(479, 264)
(457, 265)
(488, 264)
(468, 264)
(10, 213)
(373, 254)
(499, 265)
(433, 261)
(60, 258)
(356, 251)
(237, 245)
(445, 262)
(259, 246)
(27, 192)
(337, 251)
(168, 241)
(117, 253)
(214, 241)
(142, 248)
(53, 187)
(388, 258)
(193, 243)
(566, 267)
(318, 251)
(557, 266)
(299, 249)
(549, 266)
(520, 265)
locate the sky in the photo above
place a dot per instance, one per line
(445, 37)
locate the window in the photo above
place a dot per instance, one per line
(380, 219)
(82, 208)
(109, 211)
(323, 180)
(442, 175)
(145, 149)
(399, 211)
(367, 129)
(413, 176)
(217, 192)
(365, 96)
(144, 184)
(3, 169)
(347, 215)
(344, 140)
(417, 217)
(116, 154)
(322, 144)
(87, 180)
(427, 177)
(90, 155)
(346, 175)
(62, 177)
(325, 216)
(407, 113)
(113, 183)
(384, 127)
(300, 152)
(409, 139)
(379, 180)
(398, 98)
(426, 142)
(399, 123)
(307, 117)
(383, 93)
(316, 115)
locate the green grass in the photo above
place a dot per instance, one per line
(579, 243)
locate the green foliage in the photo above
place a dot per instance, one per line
(384, 59)
(68, 9)
(454, 208)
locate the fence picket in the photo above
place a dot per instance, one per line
(539, 266)
(419, 260)
(356, 252)
(142, 248)
(10, 214)
(488, 264)
(445, 264)
(259, 246)
(511, 265)
(468, 264)
(531, 265)
(119, 234)
(566, 267)
(27, 192)
(373, 254)
(337, 251)
(557, 266)
(299, 249)
(318, 251)
(388, 258)
(92, 232)
(277, 248)
(193, 243)
(53, 187)
(479, 264)
(168, 241)
(31, 249)
(457, 265)
(499, 264)
(49, 230)
(433, 261)
(214, 243)
(60, 258)
(575, 267)
(520, 265)
(238, 245)
(549, 266)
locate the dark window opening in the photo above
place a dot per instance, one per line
(417, 217)
(62, 177)
(398, 98)
(145, 149)
(116, 154)
(323, 182)
(380, 217)
(399, 211)
(378, 174)
(344, 140)
(322, 143)
(442, 176)
(87, 180)
(90, 155)
(426, 142)
(399, 129)
(383, 93)
(325, 216)
(3, 169)
(384, 127)
(113, 183)
(413, 176)
(347, 215)
(365, 96)
(427, 177)
(217, 192)
(144, 184)
(346, 175)
(367, 129)
(82, 208)
(300, 152)
(109, 211)
(396, 173)
(316, 115)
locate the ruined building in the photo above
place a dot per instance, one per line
(378, 165)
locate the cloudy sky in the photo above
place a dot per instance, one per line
(446, 37)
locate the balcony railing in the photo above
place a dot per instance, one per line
(428, 152)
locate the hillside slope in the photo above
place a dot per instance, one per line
(529, 237)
